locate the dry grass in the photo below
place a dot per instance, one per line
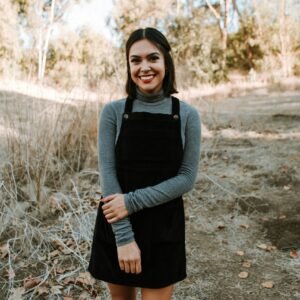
(46, 144)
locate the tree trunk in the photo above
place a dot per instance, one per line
(223, 21)
(40, 53)
(284, 41)
(46, 43)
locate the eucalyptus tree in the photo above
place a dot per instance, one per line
(39, 18)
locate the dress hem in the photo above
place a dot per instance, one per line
(134, 284)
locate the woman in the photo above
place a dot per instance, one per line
(148, 152)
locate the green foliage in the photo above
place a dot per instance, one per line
(244, 49)
(130, 15)
(196, 49)
(84, 58)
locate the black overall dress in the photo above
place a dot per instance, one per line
(148, 151)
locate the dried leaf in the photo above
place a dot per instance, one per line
(271, 248)
(42, 290)
(67, 298)
(56, 289)
(266, 247)
(69, 280)
(243, 275)
(66, 251)
(84, 296)
(53, 253)
(10, 273)
(268, 284)
(84, 246)
(17, 293)
(4, 250)
(70, 242)
(282, 217)
(85, 278)
(246, 226)
(30, 282)
(264, 219)
(262, 246)
(58, 244)
(294, 254)
(60, 271)
(221, 226)
(247, 264)
(240, 253)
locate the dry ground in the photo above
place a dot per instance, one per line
(245, 207)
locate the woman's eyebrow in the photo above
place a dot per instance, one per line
(150, 54)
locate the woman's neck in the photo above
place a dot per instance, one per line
(150, 98)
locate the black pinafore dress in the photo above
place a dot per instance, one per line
(148, 151)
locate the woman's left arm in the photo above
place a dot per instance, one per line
(177, 185)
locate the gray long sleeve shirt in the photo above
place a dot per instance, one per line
(109, 129)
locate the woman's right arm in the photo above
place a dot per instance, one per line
(109, 182)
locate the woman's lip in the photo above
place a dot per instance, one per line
(147, 78)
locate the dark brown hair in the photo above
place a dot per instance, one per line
(159, 40)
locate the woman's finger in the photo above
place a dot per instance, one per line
(122, 265)
(138, 267)
(109, 215)
(132, 266)
(127, 267)
(108, 198)
(112, 220)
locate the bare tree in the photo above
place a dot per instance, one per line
(39, 18)
(223, 18)
(284, 38)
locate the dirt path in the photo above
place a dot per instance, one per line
(247, 196)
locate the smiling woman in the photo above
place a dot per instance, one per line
(149, 152)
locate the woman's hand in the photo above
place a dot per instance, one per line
(129, 257)
(114, 208)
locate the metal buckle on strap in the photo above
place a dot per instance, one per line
(126, 116)
(175, 117)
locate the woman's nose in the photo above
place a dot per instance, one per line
(145, 66)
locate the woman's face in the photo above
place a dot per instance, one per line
(147, 66)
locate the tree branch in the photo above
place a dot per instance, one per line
(217, 15)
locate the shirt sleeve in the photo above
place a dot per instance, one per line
(106, 150)
(179, 184)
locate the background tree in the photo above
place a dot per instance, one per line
(10, 44)
(209, 38)
(39, 17)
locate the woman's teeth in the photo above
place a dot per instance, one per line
(147, 77)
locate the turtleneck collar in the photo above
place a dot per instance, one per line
(150, 98)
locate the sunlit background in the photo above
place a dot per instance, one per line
(71, 43)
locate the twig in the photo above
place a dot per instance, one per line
(220, 186)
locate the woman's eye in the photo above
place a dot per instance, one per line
(154, 58)
(134, 61)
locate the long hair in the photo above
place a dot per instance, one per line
(159, 40)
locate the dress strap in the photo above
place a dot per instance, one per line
(128, 105)
(175, 106)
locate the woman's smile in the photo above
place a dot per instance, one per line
(147, 78)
